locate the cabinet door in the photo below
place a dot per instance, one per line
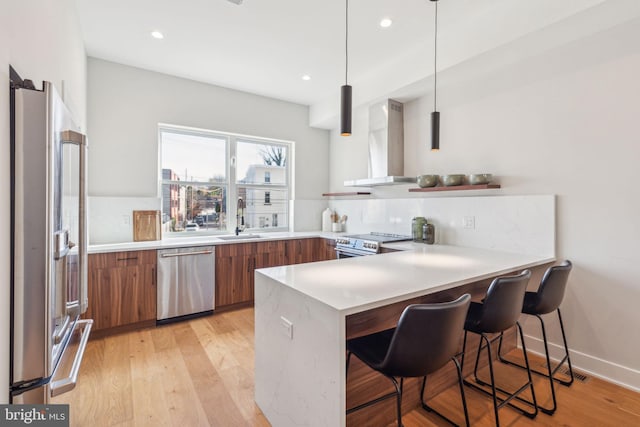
(99, 297)
(270, 254)
(224, 280)
(234, 279)
(244, 289)
(329, 249)
(121, 288)
(309, 251)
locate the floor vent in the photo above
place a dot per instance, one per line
(565, 371)
(577, 375)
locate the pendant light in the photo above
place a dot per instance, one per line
(435, 115)
(345, 91)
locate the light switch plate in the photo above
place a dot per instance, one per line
(469, 222)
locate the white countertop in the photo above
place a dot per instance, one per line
(190, 241)
(356, 284)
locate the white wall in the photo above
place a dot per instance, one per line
(126, 104)
(565, 123)
(41, 40)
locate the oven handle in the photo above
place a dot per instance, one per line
(64, 385)
(351, 253)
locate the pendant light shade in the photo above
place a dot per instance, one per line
(435, 131)
(345, 110)
(435, 115)
(345, 90)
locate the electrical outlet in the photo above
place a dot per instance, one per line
(469, 222)
(126, 219)
(287, 327)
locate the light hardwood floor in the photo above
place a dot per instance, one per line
(200, 373)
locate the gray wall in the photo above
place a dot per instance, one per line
(126, 104)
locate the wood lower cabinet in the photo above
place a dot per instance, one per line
(121, 289)
(122, 285)
(328, 248)
(309, 250)
(234, 274)
(236, 264)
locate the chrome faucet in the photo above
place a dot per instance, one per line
(240, 218)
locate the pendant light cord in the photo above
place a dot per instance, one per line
(435, 60)
(346, 42)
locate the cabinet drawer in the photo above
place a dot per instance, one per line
(235, 249)
(121, 259)
(270, 246)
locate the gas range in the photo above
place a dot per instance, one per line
(365, 244)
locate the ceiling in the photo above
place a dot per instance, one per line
(265, 47)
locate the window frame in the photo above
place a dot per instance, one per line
(231, 181)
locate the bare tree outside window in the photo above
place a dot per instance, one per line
(274, 156)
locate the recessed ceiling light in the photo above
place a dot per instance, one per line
(157, 35)
(306, 77)
(386, 22)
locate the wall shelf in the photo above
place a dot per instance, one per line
(352, 193)
(455, 188)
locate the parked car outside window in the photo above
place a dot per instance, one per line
(192, 227)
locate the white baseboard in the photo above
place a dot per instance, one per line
(603, 369)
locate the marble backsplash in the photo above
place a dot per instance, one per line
(111, 218)
(524, 224)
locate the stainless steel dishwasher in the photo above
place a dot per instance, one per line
(186, 282)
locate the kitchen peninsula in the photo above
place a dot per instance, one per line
(305, 313)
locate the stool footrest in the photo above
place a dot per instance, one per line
(544, 374)
(507, 400)
(372, 402)
(430, 409)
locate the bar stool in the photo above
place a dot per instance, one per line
(498, 312)
(426, 338)
(546, 300)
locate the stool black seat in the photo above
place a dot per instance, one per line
(498, 312)
(426, 338)
(545, 300)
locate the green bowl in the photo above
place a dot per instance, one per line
(427, 180)
(451, 180)
(480, 178)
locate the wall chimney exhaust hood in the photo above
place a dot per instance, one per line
(386, 147)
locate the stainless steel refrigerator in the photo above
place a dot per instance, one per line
(49, 245)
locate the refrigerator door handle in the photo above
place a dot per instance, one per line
(64, 385)
(61, 331)
(79, 139)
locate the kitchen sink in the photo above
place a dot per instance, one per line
(240, 237)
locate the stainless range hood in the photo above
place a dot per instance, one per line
(386, 147)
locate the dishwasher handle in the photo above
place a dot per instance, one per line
(186, 254)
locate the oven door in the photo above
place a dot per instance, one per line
(350, 253)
